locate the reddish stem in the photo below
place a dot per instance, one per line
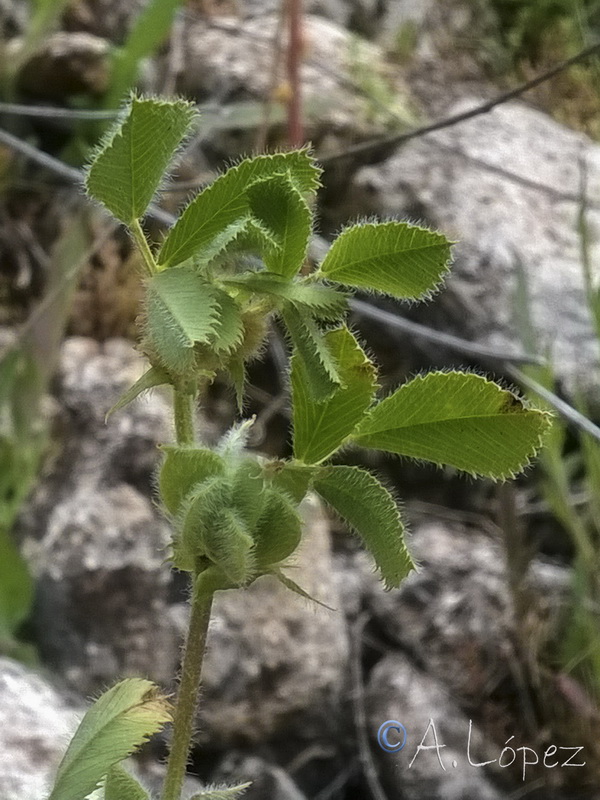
(294, 60)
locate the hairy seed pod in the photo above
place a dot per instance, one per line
(278, 531)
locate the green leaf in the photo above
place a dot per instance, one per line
(279, 206)
(182, 309)
(367, 506)
(321, 427)
(117, 724)
(459, 419)
(293, 478)
(120, 785)
(128, 168)
(222, 793)
(225, 202)
(150, 30)
(311, 348)
(237, 374)
(229, 328)
(151, 378)
(391, 257)
(16, 585)
(278, 531)
(183, 468)
(322, 302)
(248, 491)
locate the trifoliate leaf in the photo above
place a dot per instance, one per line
(151, 378)
(128, 168)
(120, 785)
(367, 506)
(182, 309)
(321, 427)
(459, 419)
(222, 793)
(184, 467)
(322, 302)
(278, 205)
(311, 349)
(390, 257)
(278, 531)
(117, 724)
(225, 201)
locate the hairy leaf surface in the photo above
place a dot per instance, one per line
(312, 350)
(182, 309)
(127, 170)
(459, 419)
(321, 427)
(183, 468)
(222, 793)
(279, 206)
(392, 257)
(278, 531)
(117, 724)
(322, 302)
(225, 201)
(120, 785)
(367, 506)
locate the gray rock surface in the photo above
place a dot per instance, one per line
(91, 534)
(231, 59)
(36, 723)
(398, 691)
(506, 185)
(268, 780)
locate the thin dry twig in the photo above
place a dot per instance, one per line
(375, 145)
(360, 715)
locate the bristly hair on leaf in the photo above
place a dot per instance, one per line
(130, 163)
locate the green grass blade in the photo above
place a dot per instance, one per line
(371, 511)
(225, 202)
(117, 724)
(16, 586)
(459, 419)
(278, 205)
(311, 348)
(129, 165)
(391, 257)
(149, 31)
(321, 427)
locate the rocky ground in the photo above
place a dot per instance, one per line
(295, 695)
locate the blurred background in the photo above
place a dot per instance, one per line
(495, 644)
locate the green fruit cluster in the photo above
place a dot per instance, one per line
(229, 513)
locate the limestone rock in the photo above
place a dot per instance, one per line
(91, 534)
(506, 186)
(36, 723)
(399, 692)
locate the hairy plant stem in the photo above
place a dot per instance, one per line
(143, 247)
(184, 417)
(187, 695)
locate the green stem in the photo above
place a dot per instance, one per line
(144, 248)
(187, 696)
(184, 417)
